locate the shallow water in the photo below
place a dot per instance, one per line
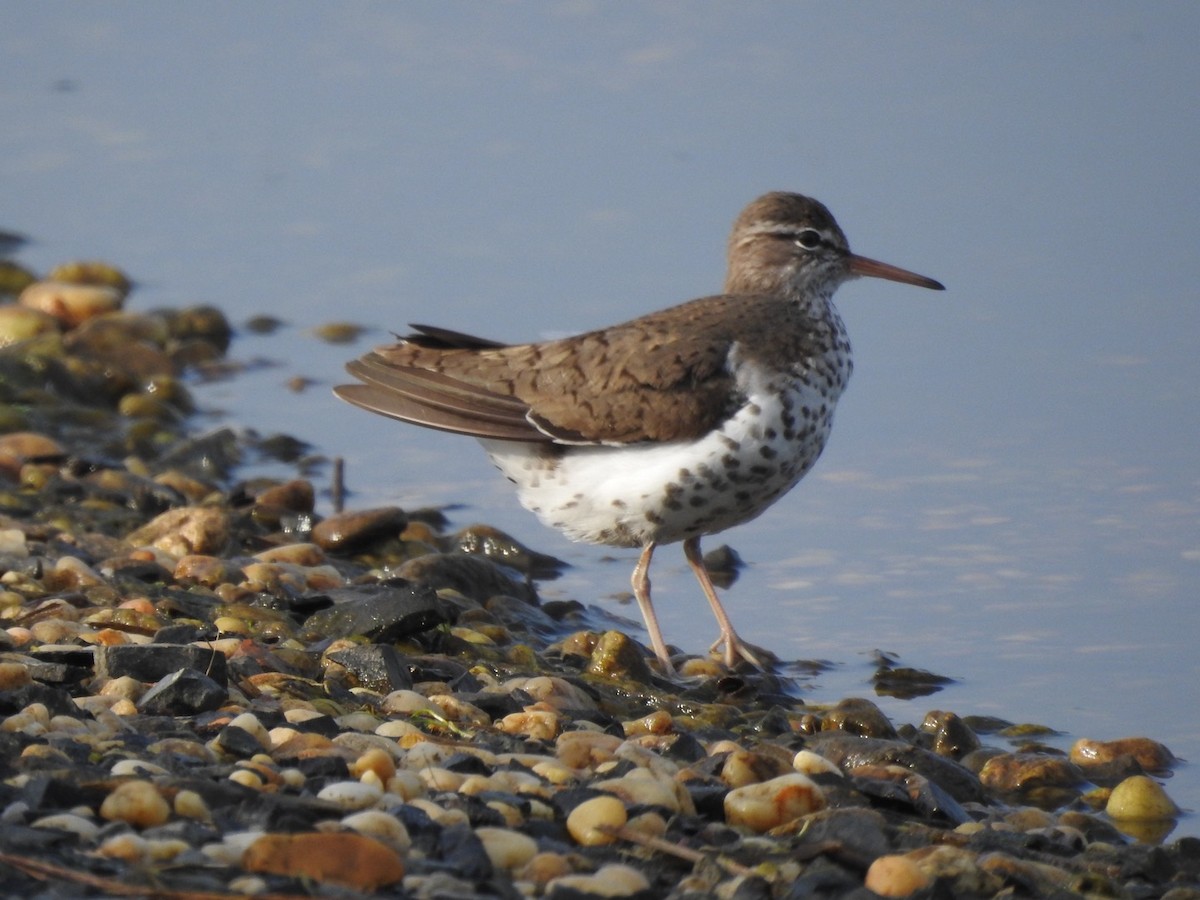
(1011, 496)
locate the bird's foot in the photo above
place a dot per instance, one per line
(736, 648)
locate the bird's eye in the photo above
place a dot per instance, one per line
(809, 239)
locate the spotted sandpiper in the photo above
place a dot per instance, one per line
(669, 427)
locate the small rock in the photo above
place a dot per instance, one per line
(20, 323)
(1010, 772)
(200, 530)
(383, 613)
(761, 807)
(508, 551)
(152, 662)
(507, 849)
(1150, 755)
(860, 717)
(182, 693)
(71, 304)
(136, 802)
(612, 880)
(1140, 798)
(348, 859)
(895, 876)
(592, 821)
(350, 795)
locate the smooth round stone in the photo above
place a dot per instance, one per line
(439, 779)
(84, 829)
(381, 826)
(131, 848)
(296, 495)
(507, 849)
(91, 271)
(71, 304)
(305, 555)
(590, 822)
(761, 807)
(375, 760)
(427, 754)
(1150, 755)
(808, 763)
(136, 802)
(895, 876)
(1021, 771)
(657, 722)
(745, 767)
(191, 805)
(350, 795)
(346, 858)
(1140, 798)
(350, 530)
(20, 323)
(247, 778)
(14, 675)
(613, 880)
(544, 868)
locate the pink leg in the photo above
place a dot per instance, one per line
(734, 646)
(641, 590)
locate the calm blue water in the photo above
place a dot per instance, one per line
(1012, 492)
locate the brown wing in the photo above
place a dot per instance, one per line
(662, 377)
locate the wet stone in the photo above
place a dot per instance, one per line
(1012, 772)
(182, 693)
(349, 531)
(381, 612)
(472, 576)
(502, 548)
(851, 752)
(858, 716)
(375, 666)
(950, 735)
(150, 662)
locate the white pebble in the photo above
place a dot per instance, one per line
(808, 763)
(85, 829)
(350, 795)
(136, 767)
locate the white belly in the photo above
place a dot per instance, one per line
(632, 494)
